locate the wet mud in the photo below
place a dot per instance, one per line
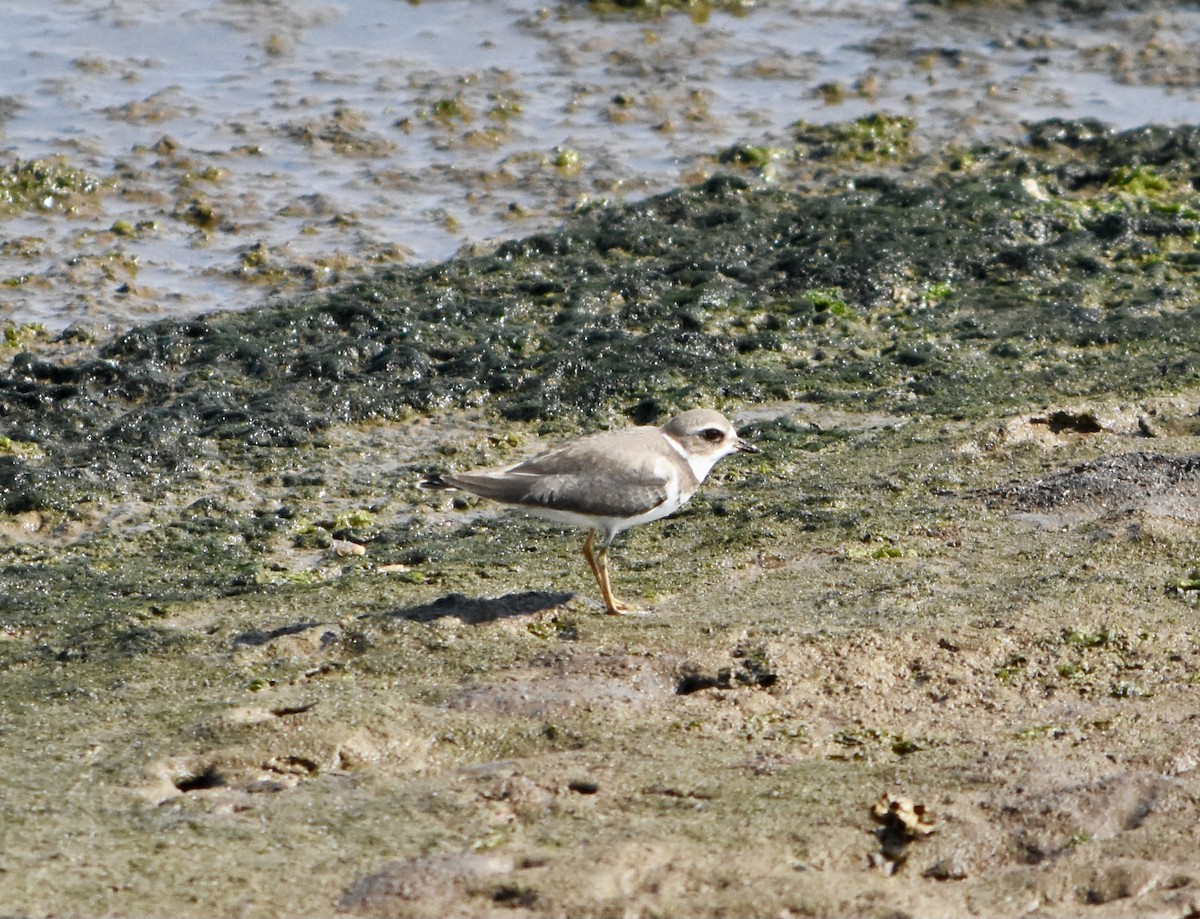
(163, 163)
(931, 652)
(251, 669)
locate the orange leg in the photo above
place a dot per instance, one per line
(598, 562)
(587, 554)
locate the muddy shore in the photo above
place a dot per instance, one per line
(164, 162)
(251, 670)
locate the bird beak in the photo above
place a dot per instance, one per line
(743, 446)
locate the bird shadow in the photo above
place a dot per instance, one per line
(257, 637)
(476, 610)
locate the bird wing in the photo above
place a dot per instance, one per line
(611, 475)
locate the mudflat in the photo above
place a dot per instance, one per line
(249, 669)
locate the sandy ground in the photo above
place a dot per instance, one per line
(895, 665)
(995, 626)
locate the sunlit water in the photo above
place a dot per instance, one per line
(554, 106)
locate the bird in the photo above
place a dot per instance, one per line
(609, 482)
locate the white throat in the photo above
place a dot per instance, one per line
(701, 465)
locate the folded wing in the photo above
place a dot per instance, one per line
(567, 479)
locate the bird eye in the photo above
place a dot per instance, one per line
(712, 435)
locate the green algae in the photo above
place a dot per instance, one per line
(753, 156)
(699, 10)
(871, 139)
(753, 774)
(933, 296)
(448, 111)
(17, 336)
(567, 160)
(49, 184)
(849, 571)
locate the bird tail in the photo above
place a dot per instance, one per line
(434, 481)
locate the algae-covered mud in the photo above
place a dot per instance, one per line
(165, 160)
(249, 669)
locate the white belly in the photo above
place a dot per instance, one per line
(609, 527)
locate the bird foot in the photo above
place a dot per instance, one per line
(624, 609)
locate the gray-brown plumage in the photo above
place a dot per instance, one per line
(609, 482)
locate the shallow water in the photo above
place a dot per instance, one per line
(324, 138)
(213, 690)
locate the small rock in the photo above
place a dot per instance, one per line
(424, 879)
(343, 548)
(902, 823)
(947, 868)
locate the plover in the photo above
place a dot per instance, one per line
(609, 482)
